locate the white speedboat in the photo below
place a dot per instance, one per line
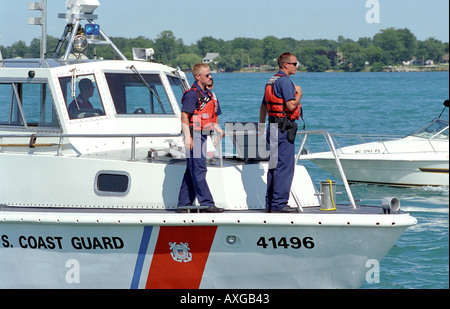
(88, 195)
(419, 159)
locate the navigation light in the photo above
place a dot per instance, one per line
(92, 31)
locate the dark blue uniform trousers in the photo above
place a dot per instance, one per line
(194, 181)
(281, 168)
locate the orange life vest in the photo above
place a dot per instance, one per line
(276, 106)
(205, 115)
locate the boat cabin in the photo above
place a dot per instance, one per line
(90, 98)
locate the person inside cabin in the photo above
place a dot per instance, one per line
(198, 118)
(82, 103)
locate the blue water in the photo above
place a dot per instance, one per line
(370, 103)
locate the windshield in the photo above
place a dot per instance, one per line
(437, 129)
(142, 94)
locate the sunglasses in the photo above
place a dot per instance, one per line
(293, 63)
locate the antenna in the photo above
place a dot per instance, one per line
(1, 57)
(40, 21)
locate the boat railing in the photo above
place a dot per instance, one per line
(32, 143)
(32, 138)
(329, 139)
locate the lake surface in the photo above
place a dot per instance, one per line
(369, 103)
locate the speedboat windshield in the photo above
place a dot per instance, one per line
(437, 129)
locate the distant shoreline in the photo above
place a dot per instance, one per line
(393, 69)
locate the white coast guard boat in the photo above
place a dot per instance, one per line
(419, 159)
(88, 196)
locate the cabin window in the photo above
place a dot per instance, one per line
(27, 105)
(139, 94)
(82, 97)
(112, 183)
(177, 88)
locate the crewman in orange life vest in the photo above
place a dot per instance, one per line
(199, 116)
(282, 104)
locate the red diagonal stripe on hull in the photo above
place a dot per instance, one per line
(165, 272)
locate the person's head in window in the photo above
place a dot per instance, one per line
(86, 88)
(81, 103)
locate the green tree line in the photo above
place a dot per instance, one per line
(389, 47)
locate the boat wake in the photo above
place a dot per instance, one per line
(443, 189)
(425, 209)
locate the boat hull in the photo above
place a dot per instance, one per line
(72, 182)
(191, 251)
(388, 171)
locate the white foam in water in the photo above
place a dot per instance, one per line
(425, 209)
(443, 189)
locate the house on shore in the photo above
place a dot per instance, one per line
(210, 57)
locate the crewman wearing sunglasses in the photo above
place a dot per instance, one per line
(281, 103)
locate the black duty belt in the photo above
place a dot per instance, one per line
(276, 120)
(283, 123)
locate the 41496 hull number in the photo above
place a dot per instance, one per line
(285, 243)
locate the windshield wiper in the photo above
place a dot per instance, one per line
(142, 79)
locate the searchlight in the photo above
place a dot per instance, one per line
(80, 43)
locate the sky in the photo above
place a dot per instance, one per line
(191, 20)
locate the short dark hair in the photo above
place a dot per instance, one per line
(284, 58)
(85, 83)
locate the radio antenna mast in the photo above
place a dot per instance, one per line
(40, 21)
